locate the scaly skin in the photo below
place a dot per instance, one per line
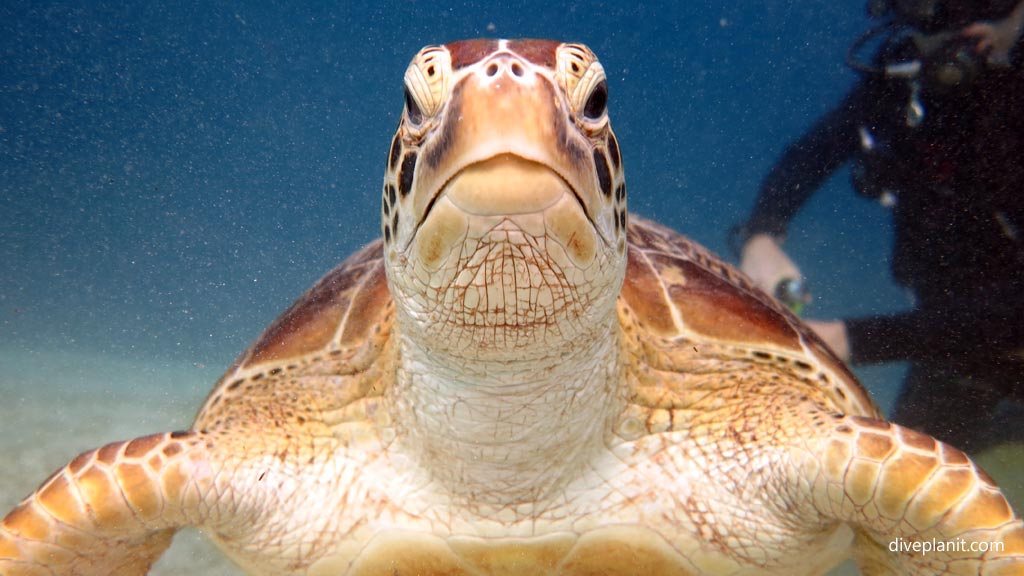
(110, 511)
(901, 485)
(516, 380)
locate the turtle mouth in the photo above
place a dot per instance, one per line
(504, 185)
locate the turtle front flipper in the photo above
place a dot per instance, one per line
(111, 511)
(918, 506)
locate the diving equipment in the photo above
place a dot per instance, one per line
(793, 293)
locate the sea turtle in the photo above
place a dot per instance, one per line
(519, 379)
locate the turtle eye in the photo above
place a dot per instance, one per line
(412, 109)
(597, 102)
(427, 87)
(585, 86)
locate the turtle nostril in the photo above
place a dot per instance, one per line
(517, 70)
(492, 69)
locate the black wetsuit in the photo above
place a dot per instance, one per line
(958, 182)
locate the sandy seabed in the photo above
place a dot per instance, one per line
(54, 405)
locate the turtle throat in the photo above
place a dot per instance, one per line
(520, 432)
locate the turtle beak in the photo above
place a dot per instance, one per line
(502, 148)
(505, 185)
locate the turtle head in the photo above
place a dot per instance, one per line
(504, 204)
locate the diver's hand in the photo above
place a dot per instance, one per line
(767, 265)
(998, 37)
(990, 39)
(833, 332)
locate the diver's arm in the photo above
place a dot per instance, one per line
(833, 332)
(795, 177)
(808, 162)
(964, 333)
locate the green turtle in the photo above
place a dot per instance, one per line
(518, 378)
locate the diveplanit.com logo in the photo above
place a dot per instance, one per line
(900, 545)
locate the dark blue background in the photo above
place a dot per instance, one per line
(172, 177)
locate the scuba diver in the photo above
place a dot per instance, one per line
(935, 131)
